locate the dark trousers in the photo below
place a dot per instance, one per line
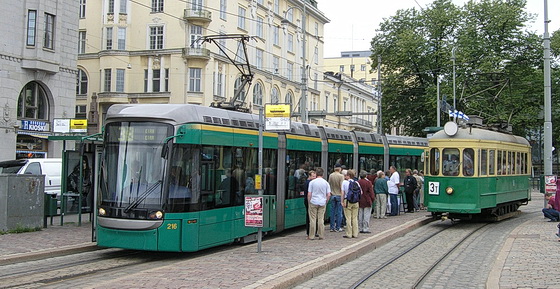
(410, 201)
(306, 203)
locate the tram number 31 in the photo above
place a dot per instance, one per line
(172, 226)
(433, 188)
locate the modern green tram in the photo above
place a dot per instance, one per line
(474, 173)
(174, 176)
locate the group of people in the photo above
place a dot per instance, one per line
(377, 188)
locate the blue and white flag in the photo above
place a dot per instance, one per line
(459, 114)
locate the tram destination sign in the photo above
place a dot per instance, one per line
(277, 117)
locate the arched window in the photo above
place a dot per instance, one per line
(257, 94)
(236, 87)
(274, 95)
(81, 83)
(32, 102)
(289, 98)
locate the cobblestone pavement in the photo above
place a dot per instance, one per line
(288, 259)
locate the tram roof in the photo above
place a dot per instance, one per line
(480, 134)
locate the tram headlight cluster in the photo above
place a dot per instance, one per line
(102, 212)
(449, 190)
(157, 215)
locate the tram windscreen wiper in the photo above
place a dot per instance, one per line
(142, 197)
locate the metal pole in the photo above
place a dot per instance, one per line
(453, 58)
(438, 103)
(304, 69)
(260, 156)
(547, 162)
(379, 118)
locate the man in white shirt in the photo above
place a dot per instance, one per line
(319, 193)
(393, 185)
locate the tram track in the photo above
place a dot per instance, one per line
(425, 241)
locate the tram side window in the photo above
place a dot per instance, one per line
(450, 162)
(468, 162)
(510, 163)
(345, 160)
(370, 162)
(184, 179)
(483, 169)
(298, 165)
(270, 168)
(518, 169)
(524, 163)
(434, 162)
(491, 161)
(501, 166)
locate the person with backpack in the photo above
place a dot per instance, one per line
(366, 201)
(351, 193)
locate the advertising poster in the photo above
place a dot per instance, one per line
(550, 184)
(253, 211)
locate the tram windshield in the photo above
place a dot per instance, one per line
(132, 171)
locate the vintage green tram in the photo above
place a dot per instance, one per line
(476, 173)
(174, 176)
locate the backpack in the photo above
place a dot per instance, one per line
(354, 192)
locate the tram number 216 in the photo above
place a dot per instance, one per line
(433, 188)
(172, 226)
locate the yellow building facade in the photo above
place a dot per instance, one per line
(152, 51)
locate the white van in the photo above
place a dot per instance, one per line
(51, 168)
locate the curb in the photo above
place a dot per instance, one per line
(41, 254)
(303, 272)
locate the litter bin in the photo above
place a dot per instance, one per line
(50, 206)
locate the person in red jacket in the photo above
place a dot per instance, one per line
(366, 201)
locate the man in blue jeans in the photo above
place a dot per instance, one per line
(335, 181)
(551, 211)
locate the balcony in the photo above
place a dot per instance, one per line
(196, 53)
(360, 124)
(199, 16)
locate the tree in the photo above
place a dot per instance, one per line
(498, 64)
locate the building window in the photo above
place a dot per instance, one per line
(120, 80)
(196, 33)
(315, 80)
(352, 68)
(326, 103)
(237, 87)
(121, 38)
(82, 8)
(195, 79)
(122, 7)
(241, 18)
(81, 83)
(290, 71)
(363, 67)
(154, 79)
(274, 95)
(222, 44)
(275, 64)
(289, 98)
(276, 35)
(240, 56)
(109, 38)
(341, 69)
(290, 47)
(223, 8)
(82, 42)
(316, 55)
(335, 103)
(156, 37)
(196, 5)
(316, 29)
(111, 8)
(81, 111)
(257, 94)
(276, 6)
(107, 80)
(31, 27)
(32, 102)
(260, 29)
(290, 14)
(157, 5)
(49, 31)
(219, 84)
(259, 56)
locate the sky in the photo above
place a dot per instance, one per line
(353, 24)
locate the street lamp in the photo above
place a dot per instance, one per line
(285, 21)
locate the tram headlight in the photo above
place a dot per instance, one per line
(157, 215)
(102, 212)
(449, 190)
